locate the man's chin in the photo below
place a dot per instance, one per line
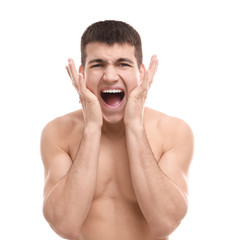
(113, 119)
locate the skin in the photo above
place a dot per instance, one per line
(115, 173)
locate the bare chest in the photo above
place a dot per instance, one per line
(114, 178)
(113, 173)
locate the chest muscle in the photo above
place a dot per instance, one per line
(114, 178)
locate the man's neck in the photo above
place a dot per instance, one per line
(116, 130)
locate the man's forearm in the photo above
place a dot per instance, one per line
(67, 205)
(161, 201)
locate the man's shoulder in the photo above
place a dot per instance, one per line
(165, 123)
(170, 131)
(65, 124)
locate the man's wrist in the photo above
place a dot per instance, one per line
(134, 125)
(135, 120)
(92, 128)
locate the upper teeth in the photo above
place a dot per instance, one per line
(112, 91)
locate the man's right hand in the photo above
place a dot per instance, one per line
(90, 104)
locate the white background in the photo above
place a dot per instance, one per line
(192, 40)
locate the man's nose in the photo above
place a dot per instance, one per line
(110, 74)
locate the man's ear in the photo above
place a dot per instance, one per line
(141, 74)
(81, 70)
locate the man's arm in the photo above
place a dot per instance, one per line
(160, 188)
(69, 188)
(70, 185)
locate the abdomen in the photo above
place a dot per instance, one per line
(113, 219)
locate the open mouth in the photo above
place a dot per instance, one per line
(112, 97)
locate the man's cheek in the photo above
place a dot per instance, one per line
(90, 86)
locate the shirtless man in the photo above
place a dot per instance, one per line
(115, 170)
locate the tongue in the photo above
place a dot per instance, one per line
(112, 99)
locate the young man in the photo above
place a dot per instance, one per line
(115, 169)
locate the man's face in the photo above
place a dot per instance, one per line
(111, 73)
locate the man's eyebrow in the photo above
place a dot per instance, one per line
(97, 60)
(125, 60)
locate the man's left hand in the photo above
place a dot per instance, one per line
(135, 105)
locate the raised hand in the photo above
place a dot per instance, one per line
(90, 104)
(135, 105)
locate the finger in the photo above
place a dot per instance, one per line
(143, 87)
(145, 82)
(152, 68)
(82, 85)
(68, 71)
(72, 69)
(84, 91)
(74, 75)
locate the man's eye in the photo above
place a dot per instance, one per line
(124, 65)
(97, 65)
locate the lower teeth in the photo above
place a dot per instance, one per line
(112, 99)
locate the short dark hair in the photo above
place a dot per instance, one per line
(111, 32)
